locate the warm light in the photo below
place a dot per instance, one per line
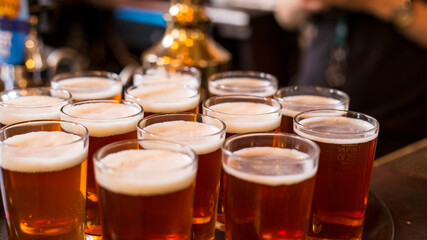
(29, 63)
(175, 45)
(189, 42)
(174, 10)
(182, 37)
(29, 43)
(167, 41)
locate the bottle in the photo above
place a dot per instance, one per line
(186, 41)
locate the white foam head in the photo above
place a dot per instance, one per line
(164, 98)
(104, 119)
(201, 137)
(242, 85)
(244, 117)
(270, 165)
(42, 151)
(155, 76)
(292, 105)
(336, 130)
(87, 88)
(25, 108)
(146, 172)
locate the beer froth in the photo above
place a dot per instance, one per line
(243, 85)
(293, 105)
(83, 88)
(146, 172)
(188, 133)
(34, 152)
(256, 166)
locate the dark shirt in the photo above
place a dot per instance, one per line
(386, 75)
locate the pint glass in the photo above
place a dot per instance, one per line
(164, 98)
(242, 82)
(204, 135)
(27, 104)
(43, 166)
(296, 99)
(146, 189)
(90, 85)
(268, 185)
(107, 121)
(347, 142)
(168, 74)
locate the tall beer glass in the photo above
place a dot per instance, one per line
(347, 143)
(43, 179)
(168, 74)
(146, 189)
(242, 82)
(26, 104)
(90, 85)
(164, 98)
(296, 99)
(204, 135)
(107, 121)
(269, 182)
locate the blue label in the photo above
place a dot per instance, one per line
(12, 41)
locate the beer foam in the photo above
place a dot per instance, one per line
(104, 119)
(26, 108)
(244, 117)
(336, 130)
(243, 85)
(146, 172)
(85, 88)
(165, 98)
(201, 137)
(270, 166)
(42, 151)
(166, 77)
(293, 105)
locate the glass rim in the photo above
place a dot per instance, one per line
(242, 96)
(222, 129)
(42, 89)
(341, 113)
(139, 99)
(242, 73)
(83, 137)
(98, 160)
(129, 103)
(344, 100)
(183, 68)
(312, 155)
(89, 73)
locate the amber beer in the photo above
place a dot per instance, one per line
(204, 135)
(269, 183)
(27, 104)
(107, 121)
(164, 98)
(347, 142)
(242, 82)
(90, 85)
(146, 189)
(43, 175)
(296, 99)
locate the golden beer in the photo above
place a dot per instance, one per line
(268, 186)
(107, 121)
(242, 83)
(27, 104)
(347, 142)
(43, 166)
(296, 99)
(90, 85)
(204, 135)
(164, 98)
(146, 189)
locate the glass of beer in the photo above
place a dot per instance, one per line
(43, 178)
(164, 98)
(204, 135)
(107, 121)
(90, 85)
(242, 82)
(27, 104)
(268, 185)
(168, 74)
(242, 114)
(296, 99)
(347, 142)
(146, 189)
